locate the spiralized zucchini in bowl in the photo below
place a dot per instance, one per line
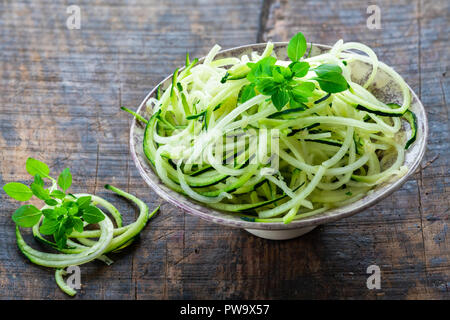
(277, 140)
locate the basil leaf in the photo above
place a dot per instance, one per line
(295, 99)
(280, 98)
(65, 179)
(35, 166)
(58, 194)
(68, 203)
(247, 92)
(73, 210)
(300, 69)
(60, 236)
(266, 86)
(68, 225)
(277, 76)
(285, 72)
(77, 224)
(296, 47)
(93, 214)
(38, 180)
(60, 211)
(332, 82)
(51, 202)
(261, 68)
(18, 191)
(27, 216)
(49, 226)
(304, 89)
(84, 202)
(50, 214)
(39, 191)
(327, 67)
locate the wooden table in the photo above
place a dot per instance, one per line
(61, 90)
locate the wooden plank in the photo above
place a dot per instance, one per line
(433, 179)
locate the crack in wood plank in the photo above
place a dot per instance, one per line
(430, 162)
(96, 168)
(263, 16)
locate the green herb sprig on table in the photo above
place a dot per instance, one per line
(65, 216)
(63, 212)
(285, 84)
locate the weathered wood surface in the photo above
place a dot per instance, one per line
(60, 96)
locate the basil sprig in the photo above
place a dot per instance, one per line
(285, 84)
(64, 212)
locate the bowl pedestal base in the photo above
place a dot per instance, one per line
(280, 234)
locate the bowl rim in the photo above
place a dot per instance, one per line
(223, 217)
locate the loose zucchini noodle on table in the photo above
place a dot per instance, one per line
(332, 146)
(89, 245)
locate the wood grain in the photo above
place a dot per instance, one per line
(61, 91)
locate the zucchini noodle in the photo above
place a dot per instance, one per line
(81, 248)
(270, 165)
